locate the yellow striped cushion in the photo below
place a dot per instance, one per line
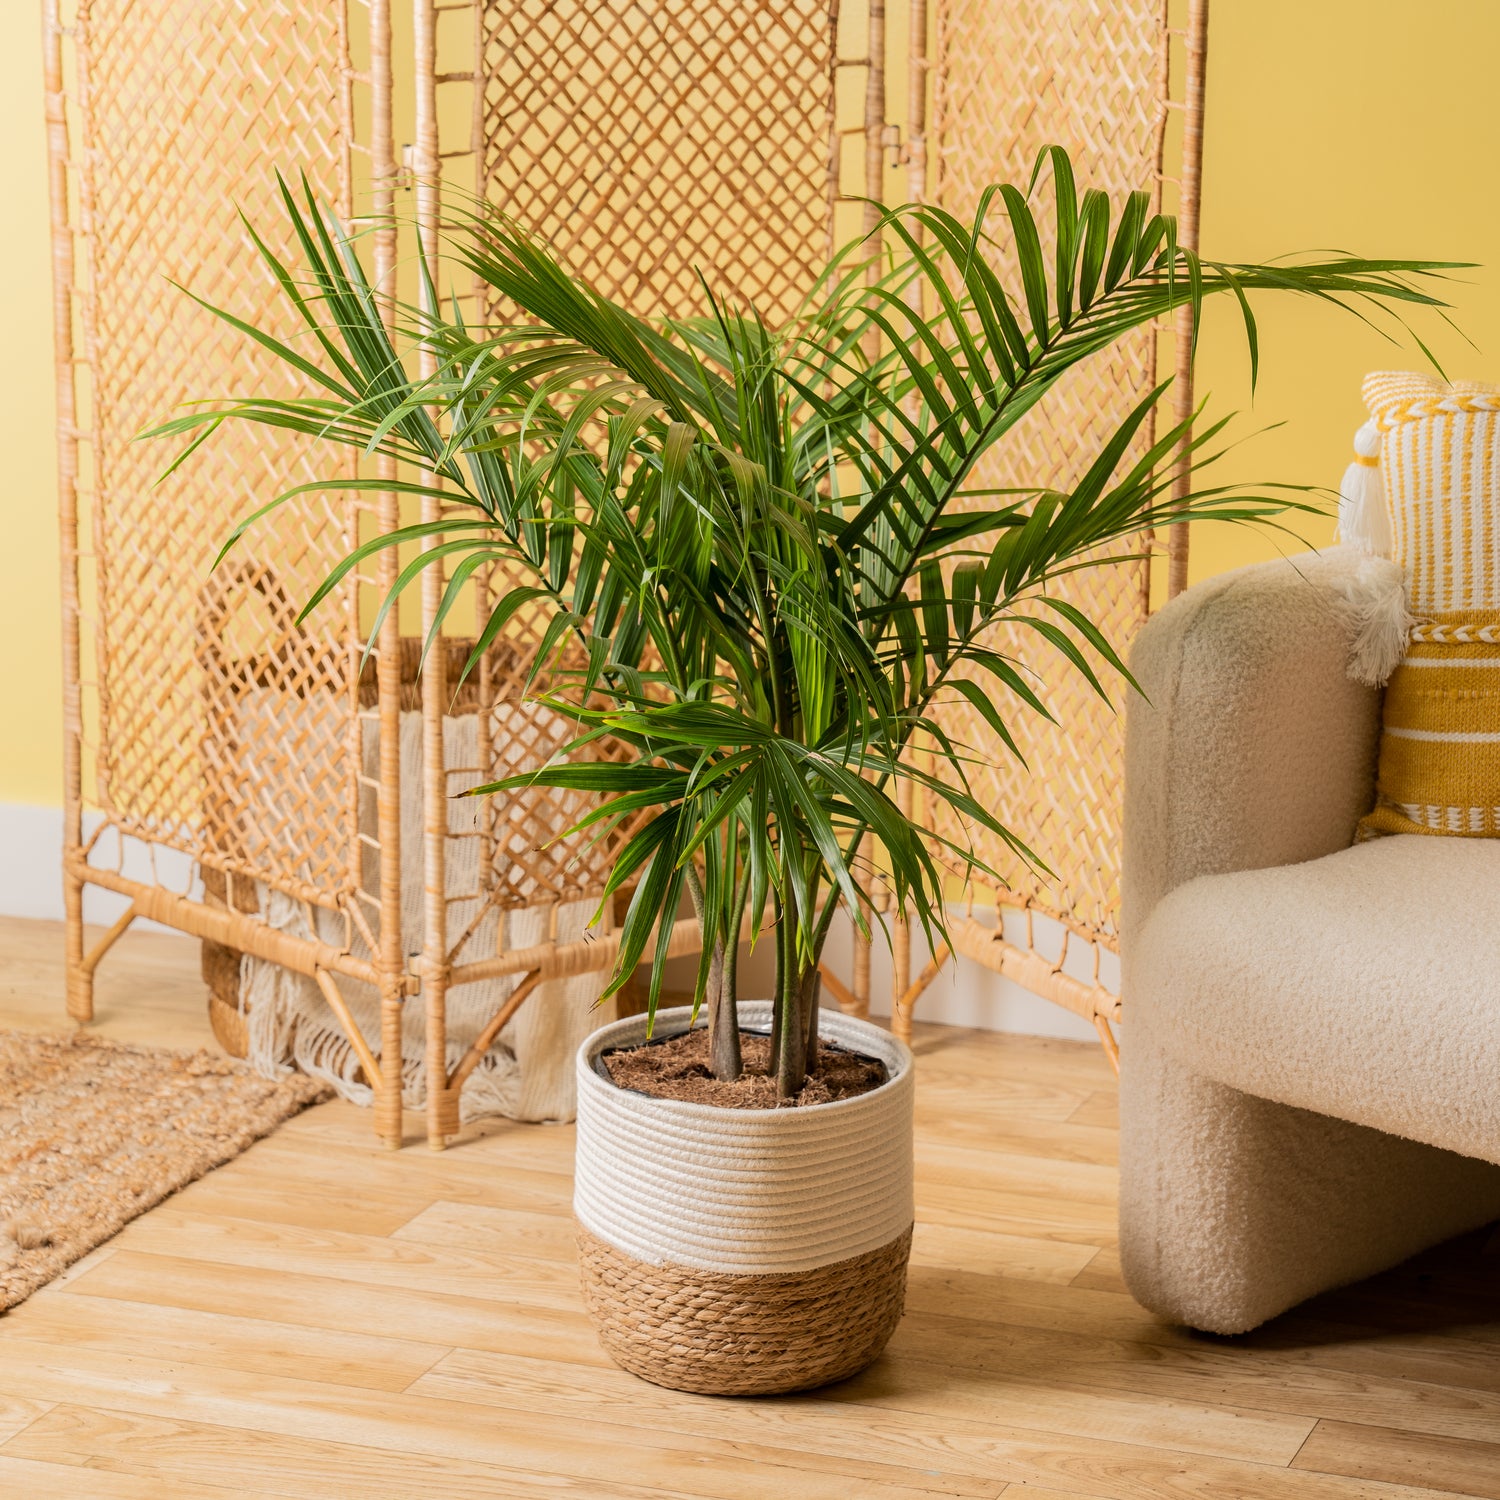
(1440, 749)
(1439, 769)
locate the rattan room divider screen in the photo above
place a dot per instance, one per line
(646, 138)
(1105, 81)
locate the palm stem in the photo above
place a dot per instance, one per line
(790, 1052)
(724, 1017)
(811, 990)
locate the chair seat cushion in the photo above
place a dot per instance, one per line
(1364, 985)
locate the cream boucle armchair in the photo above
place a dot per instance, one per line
(1310, 1080)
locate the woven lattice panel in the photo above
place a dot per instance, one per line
(1010, 79)
(647, 142)
(182, 122)
(651, 139)
(523, 861)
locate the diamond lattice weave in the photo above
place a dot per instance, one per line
(1008, 80)
(182, 85)
(651, 142)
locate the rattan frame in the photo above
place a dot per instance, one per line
(89, 40)
(363, 882)
(365, 886)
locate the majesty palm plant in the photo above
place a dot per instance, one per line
(758, 549)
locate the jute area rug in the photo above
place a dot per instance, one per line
(93, 1133)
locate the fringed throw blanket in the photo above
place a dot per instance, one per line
(528, 1073)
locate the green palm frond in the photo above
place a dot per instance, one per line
(761, 552)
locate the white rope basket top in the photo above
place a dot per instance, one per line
(745, 1191)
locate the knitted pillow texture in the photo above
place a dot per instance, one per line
(1439, 456)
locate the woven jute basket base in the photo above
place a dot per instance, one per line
(229, 1027)
(726, 1335)
(221, 973)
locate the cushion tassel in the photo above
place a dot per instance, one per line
(1379, 620)
(1363, 519)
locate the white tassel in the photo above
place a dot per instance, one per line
(1363, 521)
(1379, 620)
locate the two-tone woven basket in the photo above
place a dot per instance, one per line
(744, 1252)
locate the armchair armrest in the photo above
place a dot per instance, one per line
(1249, 746)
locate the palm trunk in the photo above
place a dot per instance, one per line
(775, 1053)
(723, 1016)
(719, 997)
(789, 1033)
(812, 992)
(723, 1020)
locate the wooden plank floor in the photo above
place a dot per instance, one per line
(322, 1319)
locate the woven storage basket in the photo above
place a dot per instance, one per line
(220, 963)
(744, 1252)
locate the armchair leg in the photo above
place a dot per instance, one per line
(1234, 1208)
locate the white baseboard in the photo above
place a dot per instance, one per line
(964, 994)
(31, 879)
(31, 843)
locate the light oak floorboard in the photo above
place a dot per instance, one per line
(1462, 1466)
(493, 1230)
(374, 1207)
(966, 1406)
(456, 1176)
(533, 1442)
(957, 1247)
(1038, 1214)
(177, 1453)
(966, 1055)
(366, 1260)
(148, 989)
(967, 1166)
(1036, 1492)
(1102, 1273)
(18, 1412)
(1436, 1362)
(1016, 1100)
(1101, 1109)
(957, 1123)
(225, 1339)
(323, 1302)
(490, 1141)
(1296, 1383)
(31, 1479)
(323, 1318)
(842, 1422)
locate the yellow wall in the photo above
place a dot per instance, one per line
(30, 670)
(1361, 125)
(1339, 123)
